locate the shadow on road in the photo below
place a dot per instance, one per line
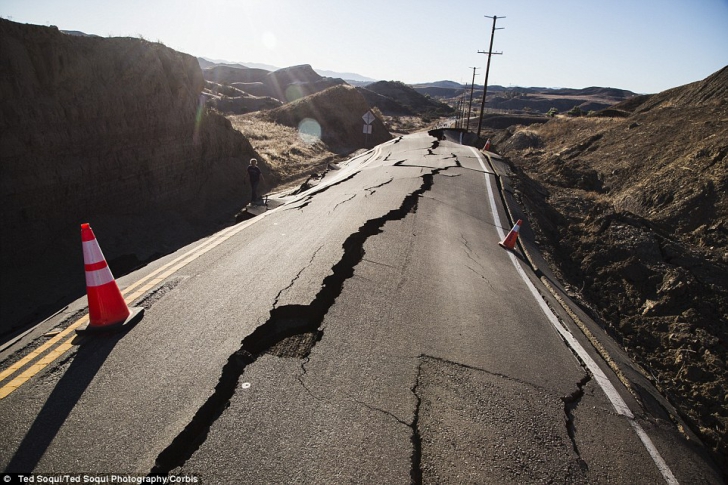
(91, 355)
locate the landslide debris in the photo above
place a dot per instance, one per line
(631, 208)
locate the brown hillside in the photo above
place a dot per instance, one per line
(711, 91)
(409, 99)
(108, 131)
(633, 212)
(255, 89)
(338, 111)
(386, 105)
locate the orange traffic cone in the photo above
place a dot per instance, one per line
(106, 307)
(487, 145)
(510, 241)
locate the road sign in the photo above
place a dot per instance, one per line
(368, 117)
(368, 129)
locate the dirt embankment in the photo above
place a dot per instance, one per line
(109, 131)
(632, 210)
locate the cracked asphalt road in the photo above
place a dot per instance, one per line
(376, 334)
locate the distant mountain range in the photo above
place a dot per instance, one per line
(438, 89)
(78, 33)
(260, 86)
(453, 88)
(237, 89)
(528, 99)
(207, 62)
(346, 76)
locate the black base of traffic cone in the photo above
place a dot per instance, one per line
(136, 314)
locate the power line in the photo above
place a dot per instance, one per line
(472, 85)
(461, 112)
(487, 69)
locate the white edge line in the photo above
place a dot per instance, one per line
(656, 457)
(611, 392)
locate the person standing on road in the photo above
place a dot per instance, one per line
(255, 176)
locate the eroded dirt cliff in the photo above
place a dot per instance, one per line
(109, 131)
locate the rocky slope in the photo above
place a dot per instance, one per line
(631, 207)
(110, 131)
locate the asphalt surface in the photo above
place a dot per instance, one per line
(370, 330)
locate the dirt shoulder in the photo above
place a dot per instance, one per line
(632, 214)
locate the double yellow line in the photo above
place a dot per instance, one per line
(40, 358)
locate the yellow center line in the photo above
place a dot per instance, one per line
(37, 352)
(186, 260)
(142, 286)
(179, 258)
(35, 368)
(151, 280)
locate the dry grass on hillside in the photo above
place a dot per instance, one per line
(402, 125)
(632, 213)
(283, 150)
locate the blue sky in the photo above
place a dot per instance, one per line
(642, 45)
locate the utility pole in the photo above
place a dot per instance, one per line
(470, 105)
(462, 105)
(487, 70)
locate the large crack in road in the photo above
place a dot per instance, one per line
(416, 438)
(570, 404)
(290, 331)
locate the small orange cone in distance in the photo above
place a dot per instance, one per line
(510, 241)
(106, 306)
